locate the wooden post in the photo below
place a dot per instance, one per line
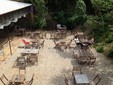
(9, 42)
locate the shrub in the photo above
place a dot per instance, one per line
(110, 54)
(109, 39)
(100, 49)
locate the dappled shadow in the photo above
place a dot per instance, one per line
(105, 80)
(58, 80)
(64, 54)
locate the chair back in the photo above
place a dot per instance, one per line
(70, 42)
(77, 69)
(21, 61)
(22, 64)
(27, 46)
(31, 81)
(66, 80)
(22, 70)
(55, 42)
(42, 44)
(33, 58)
(69, 81)
(1, 50)
(3, 79)
(23, 41)
(1, 47)
(97, 79)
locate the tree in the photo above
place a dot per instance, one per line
(41, 12)
(79, 14)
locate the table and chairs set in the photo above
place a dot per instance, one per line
(60, 32)
(16, 79)
(84, 54)
(81, 78)
(31, 51)
(62, 44)
(28, 56)
(85, 57)
(82, 41)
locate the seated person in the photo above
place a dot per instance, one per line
(91, 41)
(77, 41)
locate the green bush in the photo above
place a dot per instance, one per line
(109, 39)
(110, 54)
(100, 49)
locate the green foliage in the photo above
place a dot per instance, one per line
(108, 17)
(79, 14)
(60, 17)
(109, 39)
(100, 49)
(103, 5)
(110, 54)
(40, 22)
(41, 12)
(61, 5)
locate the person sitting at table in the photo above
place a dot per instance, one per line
(77, 41)
(59, 27)
(91, 41)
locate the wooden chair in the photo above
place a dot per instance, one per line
(69, 81)
(28, 34)
(27, 46)
(32, 59)
(36, 34)
(68, 44)
(92, 58)
(23, 68)
(56, 44)
(4, 80)
(29, 82)
(2, 52)
(76, 70)
(42, 44)
(92, 61)
(21, 61)
(96, 80)
(22, 64)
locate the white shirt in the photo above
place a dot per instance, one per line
(77, 40)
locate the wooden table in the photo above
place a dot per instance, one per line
(17, 79)
(81, 79)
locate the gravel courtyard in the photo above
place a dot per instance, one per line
(53, 64)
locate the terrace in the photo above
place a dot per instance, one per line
(54, 63)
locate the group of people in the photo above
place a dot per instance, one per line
(82, 44)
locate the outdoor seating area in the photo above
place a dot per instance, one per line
(41, 57)
(56, 42)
